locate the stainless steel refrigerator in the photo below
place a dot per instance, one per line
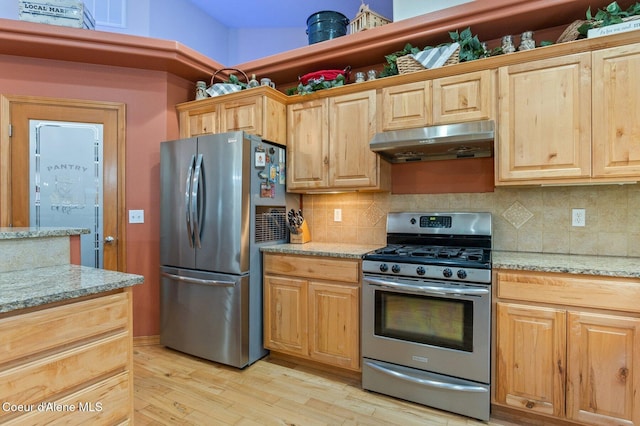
(222, 198)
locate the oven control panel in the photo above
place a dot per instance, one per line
(435, 221)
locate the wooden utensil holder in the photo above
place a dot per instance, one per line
(303, 237)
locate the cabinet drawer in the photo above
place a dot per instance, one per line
(106, 402)
(620, 294)
(66, 371)
(344, 270)
(28, 334)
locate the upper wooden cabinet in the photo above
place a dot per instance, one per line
(568, 346)
(405, 106)
(445, 100)
(544, 120)
(328, 145)
(616, 107)
(465, 97)
(570, 119)
(260, 111)
(308, 145)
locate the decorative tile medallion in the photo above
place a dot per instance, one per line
(374, 214)
(517, 215)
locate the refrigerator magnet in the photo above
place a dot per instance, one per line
(261, 159)
(267, 190)
(273, 173)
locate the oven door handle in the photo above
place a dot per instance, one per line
(428, 289)
(426, 382)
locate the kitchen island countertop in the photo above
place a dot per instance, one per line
(612, 266)
(342, 250)
(39, 286)
(7, 233)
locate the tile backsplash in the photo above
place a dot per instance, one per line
(524, 219)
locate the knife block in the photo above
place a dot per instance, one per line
(303, 237)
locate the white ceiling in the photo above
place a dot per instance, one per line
(283, 13)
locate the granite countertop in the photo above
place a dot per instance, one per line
(612, 266)
(342, 250)
(34, 287)
(39, 232)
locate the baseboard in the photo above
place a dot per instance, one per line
(524, 418)
(146, 340)
(294, 362)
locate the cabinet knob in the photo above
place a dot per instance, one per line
(326, 160)
(109, 240)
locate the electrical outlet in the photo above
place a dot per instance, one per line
(136, 216)
(578, 217)
(337, 215)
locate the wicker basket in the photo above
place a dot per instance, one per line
(217, 89)
(407, 63)
(571, 32)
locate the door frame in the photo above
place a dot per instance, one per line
(6, 104)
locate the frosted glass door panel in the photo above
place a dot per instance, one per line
(66, 181)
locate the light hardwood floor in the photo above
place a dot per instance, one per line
(172, 388)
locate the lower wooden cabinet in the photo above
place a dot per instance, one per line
(69, 363)
(577, 360)
(311, 308)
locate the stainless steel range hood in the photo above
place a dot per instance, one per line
(451, 141)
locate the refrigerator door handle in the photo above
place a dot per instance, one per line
(195, 211)
(187, 194)
(217, 283)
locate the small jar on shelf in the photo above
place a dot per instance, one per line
(253, 82)
(526, 41)
(507, 44)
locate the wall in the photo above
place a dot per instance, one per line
(404, 9)
(184, 22)
(253, 43)
(164, 19)
(150, 99)
(524, 219)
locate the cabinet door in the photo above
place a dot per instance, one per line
(616, 106)
(544, 120)
(334, 324)
(464, 97)
(285, 315)
(405, 106)
(243, 114)
(530, 364)
(352, 125)
(196, 122)
(307, 145)
(603, 377)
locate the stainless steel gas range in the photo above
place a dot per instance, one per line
(426, 312)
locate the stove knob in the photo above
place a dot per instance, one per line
(462, 274)
(420, 270)
(395, 269)
(448, 273)
(384, 267)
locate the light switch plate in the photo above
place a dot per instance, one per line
(337, 215)
(136, 216)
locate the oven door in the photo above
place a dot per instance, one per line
(436, 326)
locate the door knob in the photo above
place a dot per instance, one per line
(109, 240)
